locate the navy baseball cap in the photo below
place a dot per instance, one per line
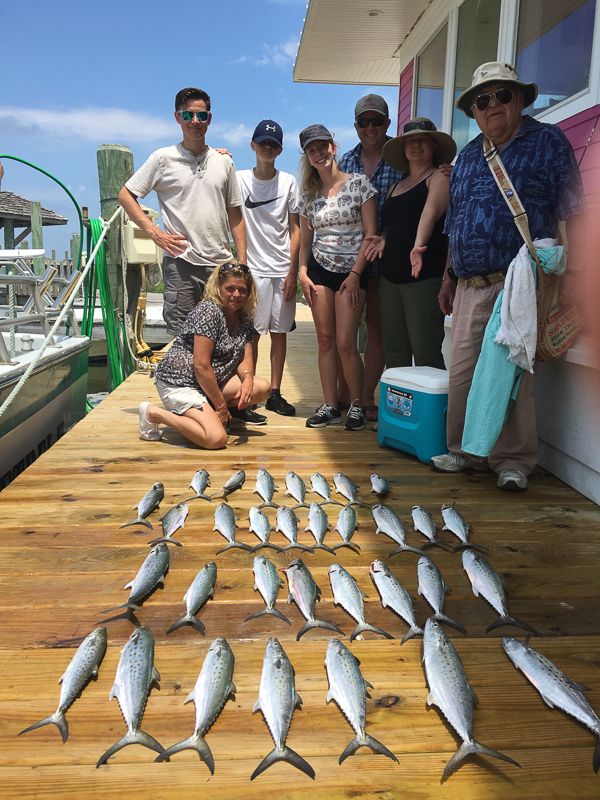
(268, 129)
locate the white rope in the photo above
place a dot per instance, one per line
(105, 228)
(12, 313)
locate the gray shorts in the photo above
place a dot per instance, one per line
(184, 287)
(179, 399)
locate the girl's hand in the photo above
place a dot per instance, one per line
(375, 247)
(352, 288)
(223, 414)
(309, 289)
(416, 260)
(245, 391)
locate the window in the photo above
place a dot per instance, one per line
(554, 48)
(431, 67)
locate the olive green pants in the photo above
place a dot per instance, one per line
(412, 323)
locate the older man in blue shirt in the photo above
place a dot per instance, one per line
(483, 240)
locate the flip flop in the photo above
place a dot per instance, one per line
(372, 413)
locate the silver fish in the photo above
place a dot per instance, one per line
(267, 582)
(82, 667)
(456, 524)
(554, 686)
(171, 522)
(296, 489)
(199, 483)
(277, 699)
(305, 593)
(434, 590)
(265, 487)
(450, 691)
(317, 525)
(389, 522)
(425, 523)
(345, 526)
(151, 573)
(201, 588)
(149, 503)
(379, 485)
(260, 525)
(487, 582)
(235, 482)
(394, 595)
(225, 523)
(287, 523)
(321, 486)
(347, 595)
(349, 690)
(135, 674)
(345, 487)
(213, 688)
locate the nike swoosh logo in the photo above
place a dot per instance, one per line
(255, 204)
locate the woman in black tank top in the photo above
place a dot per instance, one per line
(414, 247)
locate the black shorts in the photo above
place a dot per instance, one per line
(332, 280)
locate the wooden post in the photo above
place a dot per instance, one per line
(37, 236)
(9, 234)
(75, 248)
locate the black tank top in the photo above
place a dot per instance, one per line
(401, 215)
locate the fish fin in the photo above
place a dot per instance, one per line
(137, 737)
(232, 689)
(547, 700)
(297, 700)
(155, 675)
(474, 696)
(364, 740)
(330, 696)
(114, 692)
(189, 698)
(366, 683)
(273, 611)
(581, 687)
(364, 594)
(256, 706)
(431, 701)
(128, 585)
(467, 748)
(57, 719)
(196, 743)
(364, 626)
(447, 589)
(475, 591)
(444, 618)
(138, 522)
(290, 598)
(177, 625)
(197, 625)
(445, 528)
(596, 759)
(410, 633)
(317, 623)
(512, 621)
(284, 753)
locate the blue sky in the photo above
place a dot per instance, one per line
(76, 75)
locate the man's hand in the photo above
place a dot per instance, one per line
(222, 151)
(173, 243)
(290, 287)
(446, 296)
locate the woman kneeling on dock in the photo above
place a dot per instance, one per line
(209, 366)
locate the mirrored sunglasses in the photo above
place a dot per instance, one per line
(376, 122)
(230, 267)
(188, 116)
(422, 125)
(503, 96)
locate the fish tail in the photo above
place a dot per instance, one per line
(512, 621)
(364, 626)
(128, 604)
(241, 545)
(299, 547)
(317, 623)
(284, 753)
(406, 548)
(467, 748)
(199, 496)
(332, 501)
(194, 742)
(412, 631)
(596, 760)
(273, 611)
(444, 618)
(269, 505)
(300, 505)
(351, 545)
(193, 621)
(216, 494)
(58, 719)
(364, 740)
(323, 547)
(135, 737)
(438, 543)
(462, 546)
(165, 539)
(358, 502)
(267, 544)
(138, 521)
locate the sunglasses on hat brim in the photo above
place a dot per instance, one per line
(231, 267)
(422, 125)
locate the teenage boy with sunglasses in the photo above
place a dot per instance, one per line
(200, 202)
(270, 209)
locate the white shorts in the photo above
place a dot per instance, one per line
(179, 399)
(273, 313)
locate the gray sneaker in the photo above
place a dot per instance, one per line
(512, 480)
(453, 462)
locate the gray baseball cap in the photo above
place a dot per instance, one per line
(372, 102)
(313, 133)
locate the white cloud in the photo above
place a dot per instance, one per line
(279, 55)
(232, 134)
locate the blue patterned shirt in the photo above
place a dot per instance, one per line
(383, 179)
(540, 162)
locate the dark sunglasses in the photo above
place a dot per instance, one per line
(422, 125)
(231, 267)
(188, 116)
(376, 122)
(503, 96)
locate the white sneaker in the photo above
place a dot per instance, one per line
(148, 430)
(512, 480)
(453, 462)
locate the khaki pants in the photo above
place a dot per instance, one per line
(184, 287)
(517, 445)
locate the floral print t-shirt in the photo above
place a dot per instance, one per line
(337, 223)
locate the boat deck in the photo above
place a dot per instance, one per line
(64, 560)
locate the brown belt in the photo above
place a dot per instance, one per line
(479, 281)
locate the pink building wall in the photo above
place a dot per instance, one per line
(405, 96)
(583, 131)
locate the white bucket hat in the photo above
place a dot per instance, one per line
(494, 72)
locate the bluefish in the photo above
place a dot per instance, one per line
(225, 523)
(434, 590)
(213, 688)
(349, 690)
(235, 482)
(149, 503)
(379, 485)
(296, 489)
(265, 487)
(347, 594)
(150, 575)
(424, 522)
(320, 485)
(389, 522)
(260, 525)
(82, 667)
(456, 524)
(394, 595)
(345, 526)
(287, 523)
(277, 699)
(199, 483)
(171, 522)
(201, 588)
(347, 488)
(304, 592)
(317, 525)
(268, 583)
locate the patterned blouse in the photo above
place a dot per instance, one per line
(337, 223)
(207, 319)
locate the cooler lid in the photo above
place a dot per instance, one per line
(428, 379)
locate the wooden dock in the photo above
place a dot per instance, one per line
(64, 559)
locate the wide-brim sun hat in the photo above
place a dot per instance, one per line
(494, 72)
(393, 150)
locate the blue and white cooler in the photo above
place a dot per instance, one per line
(413, 405)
